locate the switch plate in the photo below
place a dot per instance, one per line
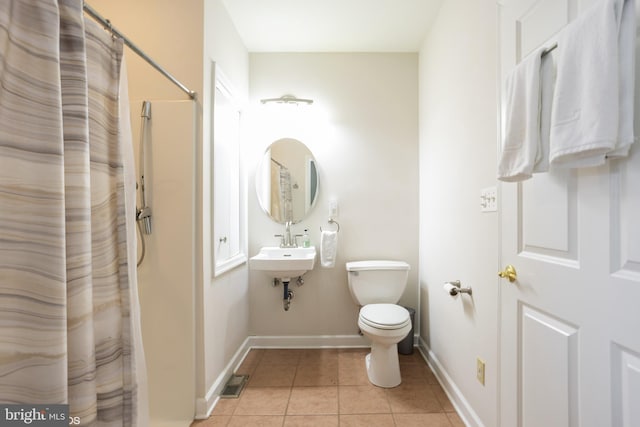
(489, 199)
(333, 208)
(480, 370)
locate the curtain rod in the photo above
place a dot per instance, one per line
(279, 164)
(107, 25)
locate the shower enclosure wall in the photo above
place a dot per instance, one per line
(166, 277)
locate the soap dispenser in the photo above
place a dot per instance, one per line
(306, 240)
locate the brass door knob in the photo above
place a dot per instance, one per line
(509, 273)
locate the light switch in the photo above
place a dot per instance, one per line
(489, 199)
(333, 208)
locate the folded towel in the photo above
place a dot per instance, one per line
(591, 117)
(547, 86)
(626, 19)
(521, 149)
(328, 248)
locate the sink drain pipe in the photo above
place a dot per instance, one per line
(287, 295)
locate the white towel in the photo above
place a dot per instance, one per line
(521, 149)
(328, 248)
(592, 111)
(547, 86)
(626, 19)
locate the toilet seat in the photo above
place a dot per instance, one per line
(384, 316)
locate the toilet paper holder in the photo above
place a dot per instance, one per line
(456, 288)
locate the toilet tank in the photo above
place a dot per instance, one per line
(372, 282)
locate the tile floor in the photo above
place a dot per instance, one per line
(329, 387)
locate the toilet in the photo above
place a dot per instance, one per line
(377, 286)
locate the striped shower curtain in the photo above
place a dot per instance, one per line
(69, 322)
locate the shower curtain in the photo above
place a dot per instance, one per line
(69, 316)
(286, 200)
(281, 197)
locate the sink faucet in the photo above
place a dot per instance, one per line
(286, 239)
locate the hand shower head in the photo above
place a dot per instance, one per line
(144, 215)
(146, 110)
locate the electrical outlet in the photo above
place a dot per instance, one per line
(480, 370)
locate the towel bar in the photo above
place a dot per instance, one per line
(548, 50)
(333, 221)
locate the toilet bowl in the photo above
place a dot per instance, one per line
(385, 325)
(377, 286)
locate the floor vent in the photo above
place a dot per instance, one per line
(234, 386)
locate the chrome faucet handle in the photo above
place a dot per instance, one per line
(287, 235)
(281, 236)
(295, 239)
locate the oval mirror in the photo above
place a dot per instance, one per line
(287, 181)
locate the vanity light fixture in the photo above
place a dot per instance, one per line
(288, 99)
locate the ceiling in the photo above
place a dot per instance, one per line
(332, 25)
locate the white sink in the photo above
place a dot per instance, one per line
(284, 263)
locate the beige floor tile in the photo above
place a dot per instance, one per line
(263, 401)
(455, 419)
(255, 421)
(314, 372)
(442, 398)
(313, 401)
(272, 376)
(250, 362)
(225, 407)
(367, 420)
(415, 357)
(422, 420)
(212, 421)
(280, 357)
(413, 399)
(330, 387)
(417, 373)
(311, 421)
(362, 400)
(352, 371)
(353, 353)
(321, 354)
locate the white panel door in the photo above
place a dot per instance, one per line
(570, 323)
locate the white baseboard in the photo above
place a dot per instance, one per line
(204, 405)
(465, 411)
(308, 341)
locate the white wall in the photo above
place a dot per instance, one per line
(223, 303)
(166, 282)
(364, 135)
(153, 27)
(458, 141)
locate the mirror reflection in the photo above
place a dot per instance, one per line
(287, 181)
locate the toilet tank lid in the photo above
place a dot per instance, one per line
(377, 265)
